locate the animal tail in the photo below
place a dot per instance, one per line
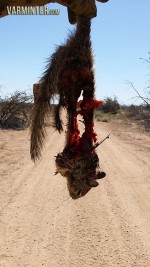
(43, 94)
(39, 114)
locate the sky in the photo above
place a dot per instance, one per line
(120, 37)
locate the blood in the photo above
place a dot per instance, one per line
(80, 145)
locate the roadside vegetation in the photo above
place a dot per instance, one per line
(112, 110)
(15, 111)
(139, 114)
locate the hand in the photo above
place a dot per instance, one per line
(80, 7)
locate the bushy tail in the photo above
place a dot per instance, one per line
(45, 92)
(39, 114)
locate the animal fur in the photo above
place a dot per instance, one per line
(70, 73)
(76, 54)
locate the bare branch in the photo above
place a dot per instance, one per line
(143, 98)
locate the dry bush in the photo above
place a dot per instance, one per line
(140, 114)
(15, 111)
(110, 105)
(145, 117)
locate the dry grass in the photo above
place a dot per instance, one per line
(139, 115)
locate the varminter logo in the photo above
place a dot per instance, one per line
(31, 10)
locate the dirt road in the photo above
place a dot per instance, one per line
(41, 226)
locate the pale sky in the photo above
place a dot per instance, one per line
(120, 37)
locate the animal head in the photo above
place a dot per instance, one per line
(81, 177)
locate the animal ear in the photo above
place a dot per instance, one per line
(92, 183)
(100, 175)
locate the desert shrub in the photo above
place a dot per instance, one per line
(139, 113)
(135, 112)
(101, 116)
(110, 105)
(14, 111)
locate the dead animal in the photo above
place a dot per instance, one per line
(69, 74)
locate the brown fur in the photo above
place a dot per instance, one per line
(77, 50)
(37, 88)
(76, 54)
(81, 174)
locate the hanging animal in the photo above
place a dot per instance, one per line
(69, 74)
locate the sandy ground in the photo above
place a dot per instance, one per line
(40, 225)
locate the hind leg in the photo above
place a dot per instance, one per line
(57, 119)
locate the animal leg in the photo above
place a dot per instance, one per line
(57, 119)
